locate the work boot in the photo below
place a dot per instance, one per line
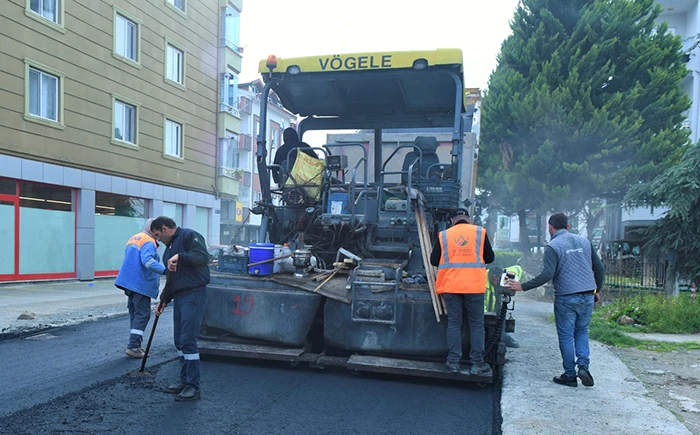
(585, 376)
(135, 352)
(189, 393)
(510, 342)
(563, 379)
(175, 388)
(453, 367)
(481, 369)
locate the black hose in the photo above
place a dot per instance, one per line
(499, 327)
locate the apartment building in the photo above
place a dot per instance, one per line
(108, 116)
(237, 223)
(683, 19)
(231, 180)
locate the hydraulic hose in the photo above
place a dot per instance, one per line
(499, 325)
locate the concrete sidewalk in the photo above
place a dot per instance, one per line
(532, 404)
(57, 304)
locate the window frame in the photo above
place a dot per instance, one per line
(127, 16)
(61, 78)
(182, 12)
(181, 158)
(169, 42)
(137, 110)
(58, 26)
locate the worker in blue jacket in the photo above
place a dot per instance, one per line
(187, 261)
(139, 277)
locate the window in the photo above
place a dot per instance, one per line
(173, 139)
(232, 28)
(49, 12)
(46, 220)
(125, 121)
(127, 30)
(117, 218)
(174, 64)
(43, 94)
(179, 6)
(230, 156)
(229, 93)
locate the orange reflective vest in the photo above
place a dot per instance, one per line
(139, 239)
(462, 268)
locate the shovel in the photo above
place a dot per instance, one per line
(142, 371)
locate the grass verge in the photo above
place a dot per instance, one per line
(652, 313)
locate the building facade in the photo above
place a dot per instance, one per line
(683, 18)
(230, 180)
(108, 116)
(238, 224)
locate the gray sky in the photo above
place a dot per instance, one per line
(315, 27)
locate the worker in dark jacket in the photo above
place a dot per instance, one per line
(286, 159)
(187, 260)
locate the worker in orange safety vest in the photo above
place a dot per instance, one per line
(461, 254)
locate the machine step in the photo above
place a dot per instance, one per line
(396, 366)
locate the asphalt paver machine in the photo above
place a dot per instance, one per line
(359, 219)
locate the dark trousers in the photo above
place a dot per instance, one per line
(473, 305)
(139, 315)
(188, 311)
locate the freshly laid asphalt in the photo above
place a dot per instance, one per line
(530, 402)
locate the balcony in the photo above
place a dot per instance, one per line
(229, 119)
(245, 142)
(232, 56)
(228, 187)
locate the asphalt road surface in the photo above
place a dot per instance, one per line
(73, 381)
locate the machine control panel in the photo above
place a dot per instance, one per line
(395, 205)
(337, 163)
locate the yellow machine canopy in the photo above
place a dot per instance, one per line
(383, 85)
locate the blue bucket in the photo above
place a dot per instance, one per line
(261, 252)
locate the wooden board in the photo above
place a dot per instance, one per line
(426, 248)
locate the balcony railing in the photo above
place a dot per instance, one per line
(232, 45)
(231, 109)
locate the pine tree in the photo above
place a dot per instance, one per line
(585, 102)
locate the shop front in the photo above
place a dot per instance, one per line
(37, 231)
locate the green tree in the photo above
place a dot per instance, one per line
(677, 234)
(585, 102)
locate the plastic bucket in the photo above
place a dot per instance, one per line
(261, 252)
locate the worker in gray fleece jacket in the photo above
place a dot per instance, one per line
(577, 275)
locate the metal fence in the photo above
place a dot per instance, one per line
(634, 274)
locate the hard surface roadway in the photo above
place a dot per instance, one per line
(73, 380)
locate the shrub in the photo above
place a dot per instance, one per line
(505, 259)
